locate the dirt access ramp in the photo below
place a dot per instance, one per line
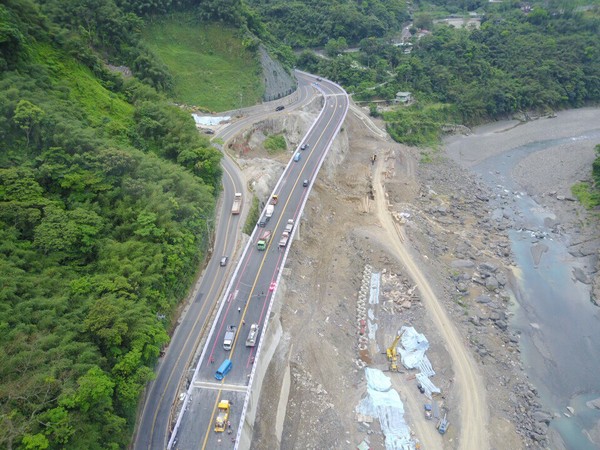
(473, 406)
(314, 381)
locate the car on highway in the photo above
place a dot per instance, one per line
(223, 369)
(280, 108)
(305, 183)
(272, 286)
(297, 156)
(303, 146)
(224, 260)
(319, 79)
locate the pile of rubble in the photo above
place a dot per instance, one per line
(400, 294)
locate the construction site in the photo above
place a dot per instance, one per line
(389, 243)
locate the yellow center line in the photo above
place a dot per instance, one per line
(204, 305)
(206, 436)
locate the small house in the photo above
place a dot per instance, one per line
(403, 97)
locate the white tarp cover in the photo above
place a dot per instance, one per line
(426, 368)
(383, 403)
(374, 288)
(413, 357)
(428, 386)
(414, 346)
(209, 120)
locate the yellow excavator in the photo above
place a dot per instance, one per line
(391, 354)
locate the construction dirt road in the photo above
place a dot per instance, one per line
(421, 221)
(471, 390)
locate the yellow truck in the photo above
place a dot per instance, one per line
(222, 416)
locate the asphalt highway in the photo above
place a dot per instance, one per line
(253, 285)
(249, 288)
(154, 426)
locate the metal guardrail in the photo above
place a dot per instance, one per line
(228, 292)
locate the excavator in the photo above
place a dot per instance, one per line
(391, 354)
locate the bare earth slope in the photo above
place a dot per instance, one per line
(473, 406)
(419, 224)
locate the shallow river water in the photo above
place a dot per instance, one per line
(558, 324)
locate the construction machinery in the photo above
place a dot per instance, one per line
(222, 416)
(442, 425)
(392, 354)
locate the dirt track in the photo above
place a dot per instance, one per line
(341, 232)
(473, 406)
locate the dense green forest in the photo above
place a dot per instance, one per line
(106, 191)
(516, 61)
(312, 23)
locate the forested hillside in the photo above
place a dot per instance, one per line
(312, 23)
(105, 195)
(516, 61)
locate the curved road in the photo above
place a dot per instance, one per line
(153, 428)
(249, 296)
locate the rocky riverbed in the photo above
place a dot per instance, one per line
(459, 228)
(529, 169)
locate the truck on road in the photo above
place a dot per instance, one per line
(252, 335)
(237, 203)
(263, 240)
(269, 211)
(289, 226)
(285, 237)
(274, 199)
(229, 337)
(222, 416)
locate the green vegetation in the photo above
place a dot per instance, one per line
(105, 192)
(312, 23)
(544, 60)
(253, 216)
(275, 143)
(588, 194)
(212, 68)
(419, 125)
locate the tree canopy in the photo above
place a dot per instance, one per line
(105, 192)
(516, 61)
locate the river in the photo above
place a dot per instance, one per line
(558, 324)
